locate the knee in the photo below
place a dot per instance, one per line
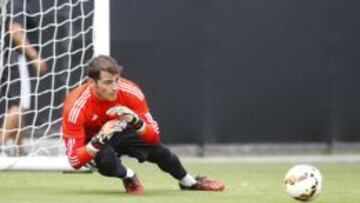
(14, 114)
(103, 155)
(105, 161)
(15, 109)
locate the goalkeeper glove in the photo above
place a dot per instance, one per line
(127, 115)
(104, 135)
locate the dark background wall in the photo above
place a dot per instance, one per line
(244, 71)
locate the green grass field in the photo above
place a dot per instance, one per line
(248, 183)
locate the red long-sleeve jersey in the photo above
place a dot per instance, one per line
(84, 115)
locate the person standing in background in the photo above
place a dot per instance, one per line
(19, 48)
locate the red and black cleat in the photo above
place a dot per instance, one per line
(133, 185)
(205, 184)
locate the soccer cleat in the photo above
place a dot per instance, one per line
(205, 184)
(133, 185)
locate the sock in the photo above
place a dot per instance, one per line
(129, 173)
(188, 180)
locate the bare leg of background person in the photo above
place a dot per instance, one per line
(11, 128)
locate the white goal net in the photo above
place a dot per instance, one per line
(45, 45)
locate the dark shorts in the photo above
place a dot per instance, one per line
(11, 85)
(129, 143)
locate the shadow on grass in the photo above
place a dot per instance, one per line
(121, 192)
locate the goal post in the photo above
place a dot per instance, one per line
(102, 27)
(66, 34)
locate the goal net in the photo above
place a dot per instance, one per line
(45, 46)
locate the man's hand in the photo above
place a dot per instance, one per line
(104, 135)
(123, 113)
(127, 115)
(40, 65)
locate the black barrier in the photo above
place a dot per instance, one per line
(244, 71)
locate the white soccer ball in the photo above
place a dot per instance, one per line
(303, 182)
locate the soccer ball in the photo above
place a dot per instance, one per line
(303, 182)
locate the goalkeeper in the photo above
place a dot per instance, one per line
(108, 117)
